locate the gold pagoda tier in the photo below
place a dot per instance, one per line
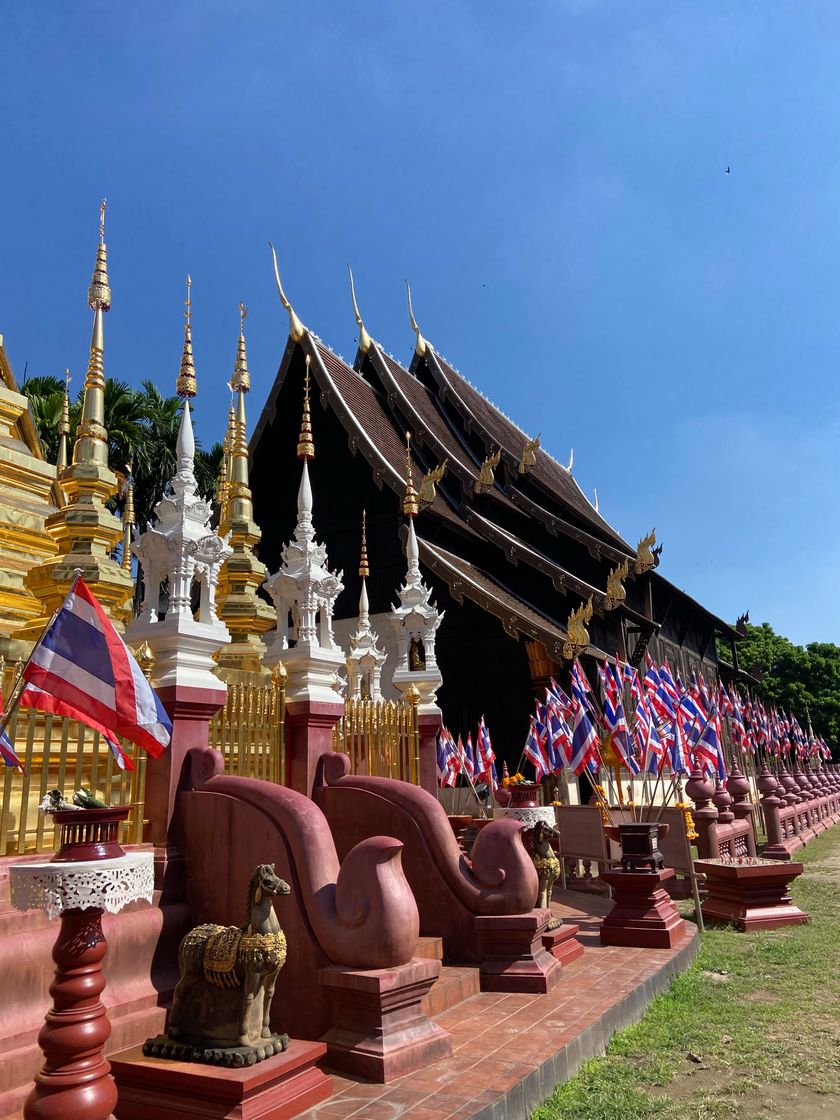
(245, 614)
(84, 531)
(26, 502)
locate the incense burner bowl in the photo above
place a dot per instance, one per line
(526, 795)
(639, 841)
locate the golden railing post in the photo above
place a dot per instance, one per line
(278, 683)
(413, 698)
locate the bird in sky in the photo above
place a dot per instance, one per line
(727, 171)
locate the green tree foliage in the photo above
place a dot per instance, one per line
(142, 433)
(801, 679)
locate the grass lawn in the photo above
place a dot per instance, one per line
(752, 1029)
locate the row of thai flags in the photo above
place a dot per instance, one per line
(476, 763)
(654, 723)
(81, 668)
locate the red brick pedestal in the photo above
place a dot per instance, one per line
(379, 1030)
(513, 956)
(562, 943)
(280, 1087)
(750, 895)
(643, 914)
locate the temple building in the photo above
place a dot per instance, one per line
(526, 570)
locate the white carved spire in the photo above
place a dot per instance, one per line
(181, 548)
(366, 658)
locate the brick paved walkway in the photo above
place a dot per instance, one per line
(509, 1051)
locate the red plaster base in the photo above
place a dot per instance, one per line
(751, 896)
(513, 956)
(562, 944)
(380, 1031)
(643, 914)
(278, 1088)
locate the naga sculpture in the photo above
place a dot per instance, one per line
(547, 865)
(221, 1006)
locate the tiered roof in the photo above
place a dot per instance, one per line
(528, 548)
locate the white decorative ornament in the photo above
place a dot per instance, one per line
(415, 622)
(182, 548)
(304, 591)
(107, 884)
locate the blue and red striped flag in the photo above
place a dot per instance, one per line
(81, 668)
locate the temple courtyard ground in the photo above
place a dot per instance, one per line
(751, 1028)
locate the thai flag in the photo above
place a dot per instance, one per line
(465, 754)
(85, 671)
(584, 741)
(709, 750)
(447, 760)
(580, 685)
(534, 752)
(484, 746)
(34, 697)
(7, 749)
(679, 753)
(559, 740)
(559, 696)
(620, 739)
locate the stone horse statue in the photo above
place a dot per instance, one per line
(222, 1002)
(547, 865)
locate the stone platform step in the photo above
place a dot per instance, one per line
(430, 947)
(455, 984)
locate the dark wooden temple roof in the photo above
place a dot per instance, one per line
(502, 548)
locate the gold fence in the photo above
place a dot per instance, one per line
(59, 753)
(381, 737)
(249, 730)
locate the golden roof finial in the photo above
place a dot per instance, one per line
(241, 380)
(616, 592)
(128, 516)
(529, 455)
(306, 444)
(420, 344)
(411, 503)
(487, 474)
(296, 327)
(364, 567)
(186, 385)
(99, 292)
(427, 492)
(576, 633)
(364, 337)
(645, 559)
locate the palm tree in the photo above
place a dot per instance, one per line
(46, 396)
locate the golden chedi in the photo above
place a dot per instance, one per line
(245, 614)
(84, 531)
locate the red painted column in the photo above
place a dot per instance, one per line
(75, 1081)
(429, 724)
(190, 709)
(308, 735)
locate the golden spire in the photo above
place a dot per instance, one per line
(306, 445)
(223, 489)
(364, 337)
(63, 426)
(420, 344)
(186, 385)
(91, 444)
(296, 327)
(364, 567)
(99, 292)
(411, 503)
(128, 516)
(241, 380)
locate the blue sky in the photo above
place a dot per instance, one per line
(549, 175)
